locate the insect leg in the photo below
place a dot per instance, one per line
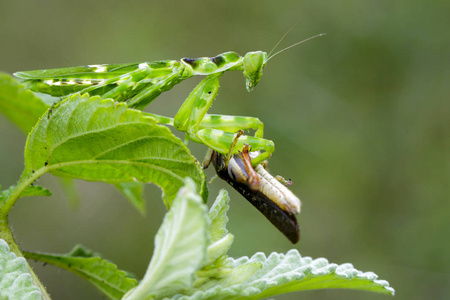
(283, 181)
(190, 116)
(253, 180)
(196, 105)
(159, 119)
(148, 94)
(233, 123)
(233, 144)
(220, 141)
(208, 158)
(125, 87)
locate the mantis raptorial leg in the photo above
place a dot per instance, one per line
(216, 131)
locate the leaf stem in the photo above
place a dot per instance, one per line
(18, 190)
(5, 231)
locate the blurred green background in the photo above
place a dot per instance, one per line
(360, 119)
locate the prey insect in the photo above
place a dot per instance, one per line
(138, 84)
(272, 198)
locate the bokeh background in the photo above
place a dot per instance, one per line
(360, 119)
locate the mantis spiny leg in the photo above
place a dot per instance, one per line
(220, 122)
(191, 114)
(233, 123)
(148, 94)
(220, 141)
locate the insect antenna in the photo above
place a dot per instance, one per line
(293, 45)
(282, 38)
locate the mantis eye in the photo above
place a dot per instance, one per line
(254, 63)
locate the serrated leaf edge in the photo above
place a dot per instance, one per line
(275, 274)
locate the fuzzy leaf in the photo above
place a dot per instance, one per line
(15, 281)
(19, 104)
(261, 277)
(220, 239)
(218, 216)
(180, 248)
(99, 140)
(104, 275)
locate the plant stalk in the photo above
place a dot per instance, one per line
(5, 233)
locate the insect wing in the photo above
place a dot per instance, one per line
(285, 222)
(81, 72)
(95, 79)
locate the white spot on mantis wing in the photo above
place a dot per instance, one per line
(59, 83)
(98, 68)
(143, 66)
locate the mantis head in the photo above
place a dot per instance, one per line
(254, 63)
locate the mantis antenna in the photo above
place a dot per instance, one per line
(293, 45)
(282, 38)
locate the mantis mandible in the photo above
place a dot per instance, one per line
(138, 84)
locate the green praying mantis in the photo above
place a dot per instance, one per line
(138, 84)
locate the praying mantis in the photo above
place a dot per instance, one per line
(138, 84)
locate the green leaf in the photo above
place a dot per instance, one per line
(261, 277)
(218, 216)
(104, 275)
(99, 140)
(6, 193)
(20, 105)
(35, 190)
(15, 281)
(220, 239)
(180, 248)
(31, 190)
(133, 191)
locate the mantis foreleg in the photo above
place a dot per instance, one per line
(149, 93)
(220, 141)
(233, 123)
(215, 131)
